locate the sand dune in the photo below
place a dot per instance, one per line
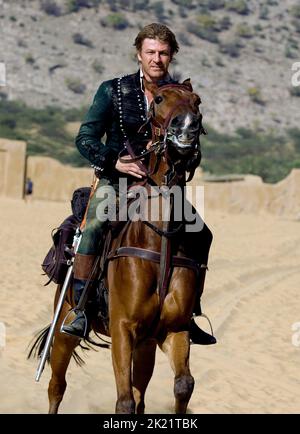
(251, 296)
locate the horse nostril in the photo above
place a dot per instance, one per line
(183, 137)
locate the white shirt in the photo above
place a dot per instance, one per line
(167, 78)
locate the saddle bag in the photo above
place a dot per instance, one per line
(55, 264)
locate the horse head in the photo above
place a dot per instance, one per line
(175, 116)
(176, 125)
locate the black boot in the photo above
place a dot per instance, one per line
(79, 327)
(200, 337)
(197, 335)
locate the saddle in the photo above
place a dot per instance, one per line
(166, 258)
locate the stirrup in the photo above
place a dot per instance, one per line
(210, 325)
(209, 322)
(76, 311)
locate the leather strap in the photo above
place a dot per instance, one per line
(163, 233)
(133, 156)
(151, 255)
(165, 265)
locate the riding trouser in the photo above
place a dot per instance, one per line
(97, 214)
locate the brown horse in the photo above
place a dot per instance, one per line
(152, 283)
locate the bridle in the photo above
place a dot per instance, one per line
(161, 128)
(160, 135)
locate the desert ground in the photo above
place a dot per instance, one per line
(251, 296)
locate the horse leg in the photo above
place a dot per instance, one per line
(177, 348)
(60, 357)
(143, 365)
(122, 349)
(61, 353)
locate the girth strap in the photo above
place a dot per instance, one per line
(151, 255)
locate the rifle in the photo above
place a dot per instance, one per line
(46, 350)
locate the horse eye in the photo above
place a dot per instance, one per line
(158, 99)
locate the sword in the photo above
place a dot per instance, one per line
(46, 350)
(75, 244)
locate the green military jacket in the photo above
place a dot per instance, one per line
(118, 111)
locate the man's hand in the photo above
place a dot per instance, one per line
(130, 168)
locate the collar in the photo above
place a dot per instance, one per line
(167, 79)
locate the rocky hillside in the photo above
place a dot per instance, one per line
(238, 54)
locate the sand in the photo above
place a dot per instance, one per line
(251, 297)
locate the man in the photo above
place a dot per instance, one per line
(28, 189)
(119, 110)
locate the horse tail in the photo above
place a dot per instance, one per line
(39, 343)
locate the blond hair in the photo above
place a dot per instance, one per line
(157, 31)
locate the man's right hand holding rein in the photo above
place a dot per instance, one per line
(130, 168)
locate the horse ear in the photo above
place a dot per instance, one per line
(188, 84)
(197, 99)
(152, 87)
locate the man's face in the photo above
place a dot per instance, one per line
(155, 57)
